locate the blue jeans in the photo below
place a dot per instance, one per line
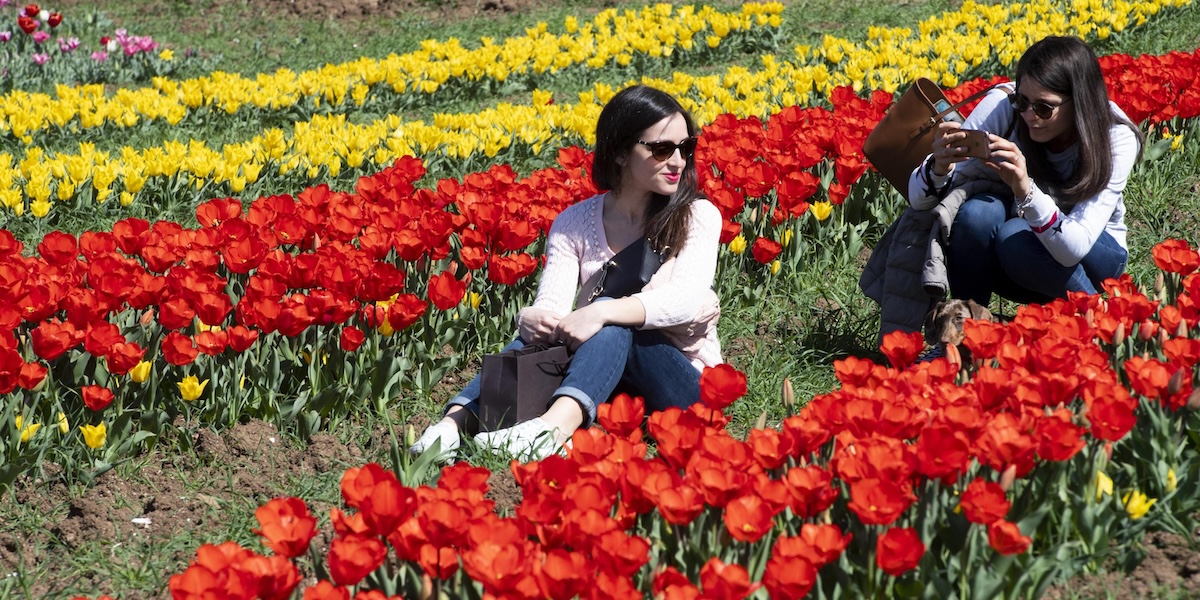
(990, 252)
(617, 359)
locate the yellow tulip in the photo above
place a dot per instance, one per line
(27, 431)
(140, 372)
(775, 266)
(786, 238)
(1172, 482)
(1104, 485)
(1137, 504)
(191, 387)
(63, 425)
(821, 210)
(738, 244)
(94, 435)
(167, 54)
(475, 299)
(39, 208)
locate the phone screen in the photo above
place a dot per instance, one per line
(952, 117)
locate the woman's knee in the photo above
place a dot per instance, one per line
(979, 216)
(612, 334)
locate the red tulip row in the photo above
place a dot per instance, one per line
(321, 257)
(862, 452)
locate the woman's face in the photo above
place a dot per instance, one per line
(1057, 131)
(645, 174)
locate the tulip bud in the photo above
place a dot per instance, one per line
(1108, 451)
(1160, 283)
(147, 317)
(1119, 334)
(1163, 336)
(1176, 383)
(1008, 477)
(1090, 317)
(1182, 330)
(762, 421)
(1146, 330)
(1193, 401)
(954, 356)
(787, 395)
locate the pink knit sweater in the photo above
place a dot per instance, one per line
(577, 248)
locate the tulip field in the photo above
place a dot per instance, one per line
(243, 293)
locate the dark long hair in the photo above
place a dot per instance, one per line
(623, 120)
(1067, 66)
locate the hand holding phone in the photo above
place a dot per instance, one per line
(976, 143)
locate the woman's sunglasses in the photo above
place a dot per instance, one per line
(664, 150)
(1043, 110)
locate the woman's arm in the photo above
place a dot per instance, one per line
(946, 166)
(677, 300)
(1069, 237)
(560, 276)
(680, 298)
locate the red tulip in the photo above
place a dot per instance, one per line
(725, 581)
(54, 20)
(984, 502)
(748, 518)
(325, 590)
(96, 398)
(32, 10)
(790, 577)
(902, 348)
(1176, 256)
(1005, 537)
(721, 385)
(765, 250)
(353, 557)
(178, 349)
(899, 550)
(446, 291)
(286, 526)
(622, 415)
(406, 310)
(351, 338)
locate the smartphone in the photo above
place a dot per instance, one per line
(977, 144)
(951, 117)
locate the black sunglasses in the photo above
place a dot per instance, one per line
(1043, 110)
(664, 150)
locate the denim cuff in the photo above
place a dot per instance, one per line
(586, 404)
(463, 401)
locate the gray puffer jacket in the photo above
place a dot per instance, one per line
(906, 273)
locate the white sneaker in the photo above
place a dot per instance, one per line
(446, 432)
(532, 440)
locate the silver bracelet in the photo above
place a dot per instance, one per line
(1024, 204)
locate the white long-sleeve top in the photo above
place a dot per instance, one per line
(577, 248)
(1073, 234)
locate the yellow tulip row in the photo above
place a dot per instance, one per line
(327, 145)
(654, 31)
(956, 43)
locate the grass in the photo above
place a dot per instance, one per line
(803, 321)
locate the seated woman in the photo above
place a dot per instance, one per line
(653, 343)
(1064, 152)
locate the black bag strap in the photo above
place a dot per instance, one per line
(629, 255)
